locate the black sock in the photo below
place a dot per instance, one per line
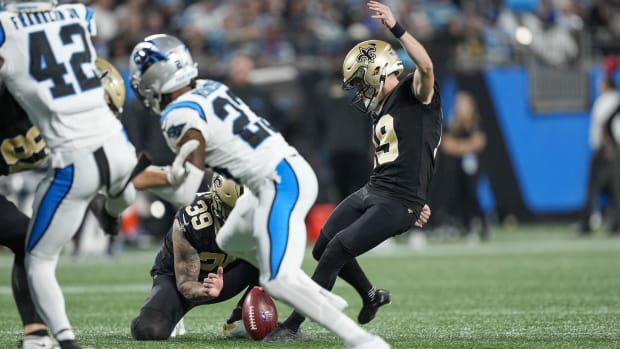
(371, 295)
(21, 292)
(353, 274)
(40, 333)
(235, 316)
(294, 321)
(325, 274)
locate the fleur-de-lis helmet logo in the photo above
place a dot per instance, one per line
(367, 54)
(218, 182)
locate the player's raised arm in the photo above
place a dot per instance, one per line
(424, 77)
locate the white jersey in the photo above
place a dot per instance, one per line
(239, 143)
(49, 67)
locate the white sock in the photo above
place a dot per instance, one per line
(47, 295)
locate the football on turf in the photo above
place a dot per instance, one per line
(260, 316)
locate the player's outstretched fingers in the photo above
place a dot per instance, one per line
(424, 216)
(426, 211)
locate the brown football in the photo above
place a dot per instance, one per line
(260, 315)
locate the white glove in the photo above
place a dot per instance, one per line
(185, 193)
(175, 174)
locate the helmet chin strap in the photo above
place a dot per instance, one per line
(375, 100)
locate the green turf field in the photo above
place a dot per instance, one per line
(536, 287)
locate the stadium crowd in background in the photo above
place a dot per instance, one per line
(296, 48)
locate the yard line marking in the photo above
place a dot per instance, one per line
(91, 289)
(499, 247)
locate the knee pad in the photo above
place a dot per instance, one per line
(151, 325)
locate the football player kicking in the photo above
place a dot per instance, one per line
(234, 141)
(191, 270)
(406, 120)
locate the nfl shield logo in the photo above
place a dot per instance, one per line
(266, 315)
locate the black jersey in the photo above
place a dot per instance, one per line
(200, 229)
(21, 145)
(406, 134)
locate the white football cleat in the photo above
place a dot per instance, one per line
(179, 329)
(374, 342)
(235, 330)
(39, 342)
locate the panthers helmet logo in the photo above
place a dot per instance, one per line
(367, 54)
(175, 131)
(146, 57)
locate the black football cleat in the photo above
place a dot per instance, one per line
(110, 224)
(369, 310)
(69, 344)
(283, 334)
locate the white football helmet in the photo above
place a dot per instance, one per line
(365, 68)
(159, 65)
(29, 5)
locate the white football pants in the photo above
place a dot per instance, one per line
(61, 201)
(276, 241)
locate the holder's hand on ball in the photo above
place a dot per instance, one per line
(213, 283)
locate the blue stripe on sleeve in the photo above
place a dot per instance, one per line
(89, 17)
(184, 104)
(2, 36)
(58, 190)
(287, 193)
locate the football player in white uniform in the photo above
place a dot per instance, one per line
(22, 148)
(47, 63)
(235, 141)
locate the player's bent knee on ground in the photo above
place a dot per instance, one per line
(151, 325)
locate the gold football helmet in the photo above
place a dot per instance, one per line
(365, 68)
(225, 194)
(113, 85)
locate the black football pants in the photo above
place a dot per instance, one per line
(13, 229)
(359, 223)
(165, 305)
